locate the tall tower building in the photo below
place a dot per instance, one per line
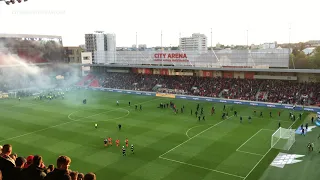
(102, 46)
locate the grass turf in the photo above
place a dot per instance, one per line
(167, 145)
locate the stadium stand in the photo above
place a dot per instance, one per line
(11, 167)
(275, 91)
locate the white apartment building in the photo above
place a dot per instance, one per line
(102, 46)
(272, 45)
(197, 42)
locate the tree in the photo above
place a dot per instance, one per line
(301, 46)
(314, 59)
(300, 60)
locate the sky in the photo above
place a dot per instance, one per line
(230, 20)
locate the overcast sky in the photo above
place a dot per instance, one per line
(265, 20)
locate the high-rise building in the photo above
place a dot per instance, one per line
(102, 46)
(197, 42)
(73, 54)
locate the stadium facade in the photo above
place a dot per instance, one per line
(260, 58)
(31, 48)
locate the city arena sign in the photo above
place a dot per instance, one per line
(172, 57)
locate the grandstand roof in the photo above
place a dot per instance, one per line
(317, 71)
(311, 71)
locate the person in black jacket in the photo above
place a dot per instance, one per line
(34, 171)
(17, 171)
(90, 176)
(61, 172)
(7, 164)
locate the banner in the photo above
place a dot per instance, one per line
(209, 99)
(4, 95)
(166, 95)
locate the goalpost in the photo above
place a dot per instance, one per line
(283, 139)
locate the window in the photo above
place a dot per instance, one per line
(69, 51)
(86, 58)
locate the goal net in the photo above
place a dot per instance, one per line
(283, 139)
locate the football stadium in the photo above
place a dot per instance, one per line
(236, 113)
(159, 121)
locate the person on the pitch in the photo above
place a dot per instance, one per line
(117, 142)
(105, 142)
(110, 141)
(96, 126)
(132, 149)
(123, 151)
(119, 127)
(129, 103)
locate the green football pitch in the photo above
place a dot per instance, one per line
(167, 145)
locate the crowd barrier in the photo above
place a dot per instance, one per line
(209, 99)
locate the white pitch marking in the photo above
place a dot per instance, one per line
(266, 153)
(213, 170)
(50, 127)
(248, 139)
(194, 136)
(192, 128)
(250, 153)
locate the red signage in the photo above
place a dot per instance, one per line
(172, 57)
(164, 71)
(207, 74)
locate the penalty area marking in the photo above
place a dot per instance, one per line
(200, 126)
(193, 128)
(266, 153)
(194, 137)
(213, 170)
(257, 154)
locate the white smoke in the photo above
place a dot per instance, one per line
(16, 73)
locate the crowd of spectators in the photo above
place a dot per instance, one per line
(13, 167)
(276, 91)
